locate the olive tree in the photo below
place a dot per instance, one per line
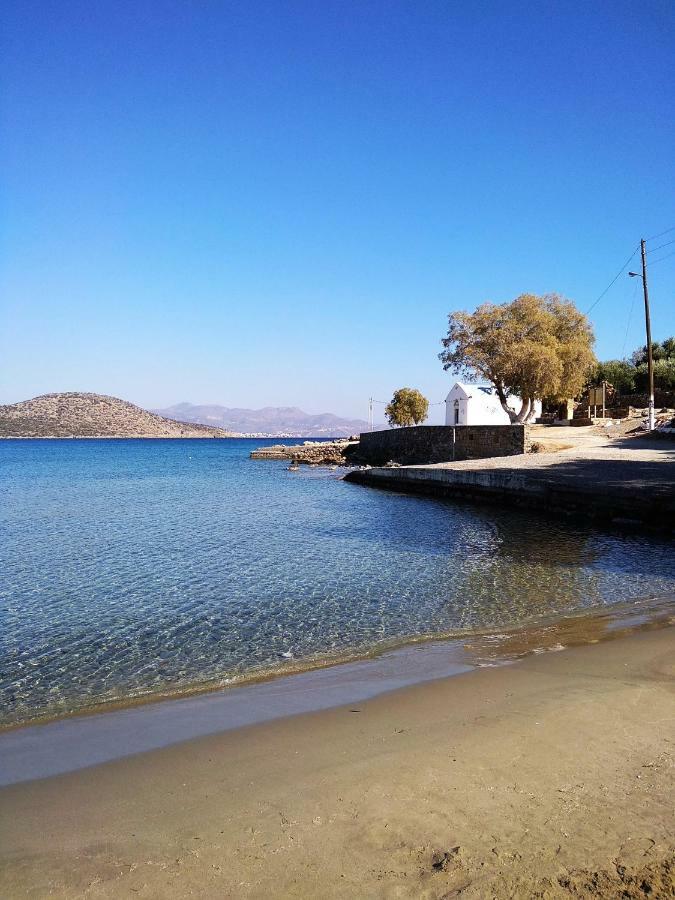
(630, 375)
(618, 372)
(407, 407)
(536, 347)
(663, 354)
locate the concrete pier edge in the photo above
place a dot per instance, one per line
(628, 508)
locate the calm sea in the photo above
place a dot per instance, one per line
(152, 566)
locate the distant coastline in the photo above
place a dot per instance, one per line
(88, 415)
(270, 421)
(124, 437)
(161, 437)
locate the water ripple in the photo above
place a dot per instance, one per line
(143, 566)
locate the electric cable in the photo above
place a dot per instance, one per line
(612, 282)
(661, 246)
(660, 234)
(653, 262)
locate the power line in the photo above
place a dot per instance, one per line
(661, 246)
(660, 234)
(615, 279)
(653, 262)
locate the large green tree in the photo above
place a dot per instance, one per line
(407, 407)
(536, 347)
(660, 350)
(628, 376)
(619, 373)
(663, 354)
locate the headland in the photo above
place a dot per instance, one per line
(86, 415)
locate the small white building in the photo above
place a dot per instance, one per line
(477, 404)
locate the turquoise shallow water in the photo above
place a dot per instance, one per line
(135, 567)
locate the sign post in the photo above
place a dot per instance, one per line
(597, 396)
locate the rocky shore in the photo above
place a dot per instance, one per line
(313, 453)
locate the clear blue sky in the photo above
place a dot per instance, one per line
(278, 203)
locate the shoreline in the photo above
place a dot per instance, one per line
(551, 775)
(120, 437)
(42, 748)
(489, 646)
(158, 437)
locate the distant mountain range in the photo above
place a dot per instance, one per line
(275, 421)
(75, 414)
(81, 414)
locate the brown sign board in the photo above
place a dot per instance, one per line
(595, 396)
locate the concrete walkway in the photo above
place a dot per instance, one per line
(622, 480)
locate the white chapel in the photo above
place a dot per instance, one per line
(477, 404)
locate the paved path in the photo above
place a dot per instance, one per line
(616, 480)
(622, 464)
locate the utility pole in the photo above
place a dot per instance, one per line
(650, 361)
(370, 414)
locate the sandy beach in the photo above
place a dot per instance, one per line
(552, 777)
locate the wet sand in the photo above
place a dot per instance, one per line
(551, 777)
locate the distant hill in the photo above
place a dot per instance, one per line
(276, 421)
(92, 415)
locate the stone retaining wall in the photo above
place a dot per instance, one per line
(423, 444)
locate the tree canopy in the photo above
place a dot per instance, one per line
(629, 376)
(661, 350)
(407, 407)
(536, 347)
(617, 372)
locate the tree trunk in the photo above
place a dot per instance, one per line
(524, 411)
(532, 415)
(502, 399)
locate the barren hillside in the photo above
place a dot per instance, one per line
(92, 415)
